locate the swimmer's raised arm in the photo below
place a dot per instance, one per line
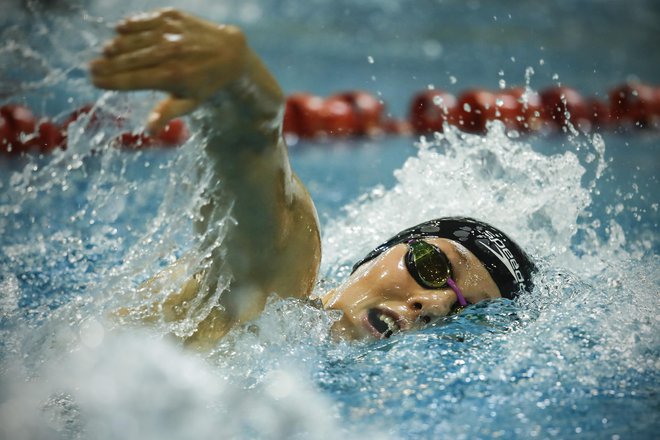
(275, 246)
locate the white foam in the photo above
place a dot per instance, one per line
(134, 386)
(534, 198)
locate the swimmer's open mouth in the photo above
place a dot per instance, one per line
(383, 323)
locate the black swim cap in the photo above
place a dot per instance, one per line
(507, 263)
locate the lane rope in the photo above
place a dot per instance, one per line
(630, 106)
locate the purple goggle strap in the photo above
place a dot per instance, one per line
(457, 291)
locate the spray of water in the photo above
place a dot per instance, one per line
(585, 337)
(82, 229)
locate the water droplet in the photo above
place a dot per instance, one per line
(370, 59)
(432, 49)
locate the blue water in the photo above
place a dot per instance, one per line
(81, 229)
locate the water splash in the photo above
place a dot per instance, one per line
(535, 198)
(82, 229)
(141, 388)
(585, 339)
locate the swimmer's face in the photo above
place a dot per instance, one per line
(382, 298)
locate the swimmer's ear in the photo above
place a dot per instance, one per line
(167, 110)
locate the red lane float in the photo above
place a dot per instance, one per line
(635, 104)
(95, 116)
(302, 115)
(173, 134)
(431, 109)
(357, 113)
(17, 123)
(516, 108)
(368, 111)
(563, 105)
(353, 113)
(338, 118)
(49, 137)
(20, 118)
(520, 109)
(21, 133)
(474, 109)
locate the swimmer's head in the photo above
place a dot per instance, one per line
(425, 272)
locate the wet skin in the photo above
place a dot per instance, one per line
(198, 64)
(381, 297)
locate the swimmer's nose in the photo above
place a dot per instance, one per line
(430, 304)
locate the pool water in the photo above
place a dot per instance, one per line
(81, 229)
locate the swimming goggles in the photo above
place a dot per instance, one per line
(430, 267)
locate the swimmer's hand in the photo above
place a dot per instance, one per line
(174, 52)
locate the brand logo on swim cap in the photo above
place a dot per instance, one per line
(504, 255)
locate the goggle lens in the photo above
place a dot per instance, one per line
(428, 264)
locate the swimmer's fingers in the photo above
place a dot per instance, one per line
(167, 110)
(138, 59)
(189, 57)
(132, 42)
(152, 78)
(148, 20)
(172, 52)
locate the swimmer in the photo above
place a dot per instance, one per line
(209, 71)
